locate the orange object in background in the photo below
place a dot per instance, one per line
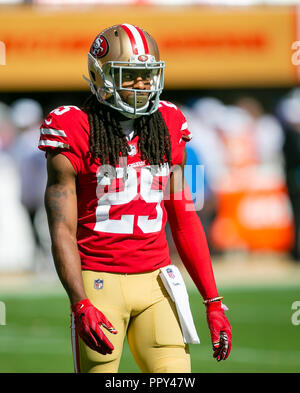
(253, 207)
(219, 46)
(253, 213)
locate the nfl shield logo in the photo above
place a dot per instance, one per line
(170, 273)
(98, 284)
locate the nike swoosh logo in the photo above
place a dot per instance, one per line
(48, 122)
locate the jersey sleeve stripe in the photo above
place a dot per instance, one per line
(54, 144)
(184, 126)
(51, 131)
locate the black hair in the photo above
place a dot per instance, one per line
(108, 142)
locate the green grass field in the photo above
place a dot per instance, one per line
(36, 337)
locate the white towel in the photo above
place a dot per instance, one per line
(174, 284)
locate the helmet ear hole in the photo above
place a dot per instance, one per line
(116, 33)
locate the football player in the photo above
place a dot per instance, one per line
(115, 173)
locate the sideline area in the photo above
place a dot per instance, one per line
(232, 270)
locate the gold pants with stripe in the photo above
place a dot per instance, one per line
(138, 306)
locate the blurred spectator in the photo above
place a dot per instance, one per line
(205, 150)
(7, 129)
(27, 116)
(268, 133)
(241, 148)
(289, 114)
(204, 121)
(16, 238)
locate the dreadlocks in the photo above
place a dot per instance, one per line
(108, 142)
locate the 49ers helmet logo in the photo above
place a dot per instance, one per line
(99, 47)
(143, 58)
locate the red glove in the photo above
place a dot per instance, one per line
(88, 320)
(220, 330)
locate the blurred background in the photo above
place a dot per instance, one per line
(233, 69)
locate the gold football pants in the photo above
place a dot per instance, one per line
(138, 306)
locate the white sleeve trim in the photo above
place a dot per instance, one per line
(184, 126)
(54, 144)
(52, 131)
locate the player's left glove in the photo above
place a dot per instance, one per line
(220, 330)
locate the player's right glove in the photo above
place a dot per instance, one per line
(220, 329)
(88, 320)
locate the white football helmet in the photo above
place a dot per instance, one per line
(126, 52)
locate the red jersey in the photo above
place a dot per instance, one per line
(121, 213)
